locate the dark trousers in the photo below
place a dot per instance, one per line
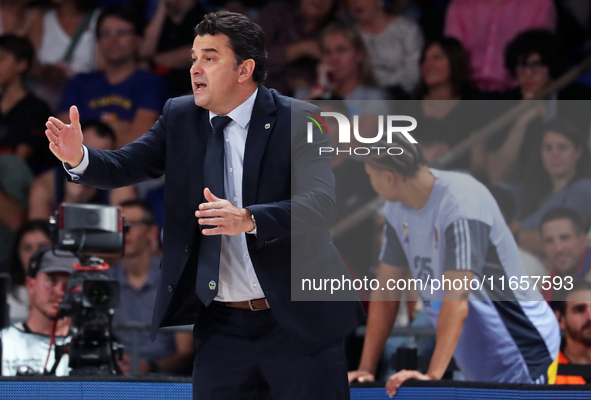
(246, 355)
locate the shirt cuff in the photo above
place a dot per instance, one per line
(253, 232)
(76, 172)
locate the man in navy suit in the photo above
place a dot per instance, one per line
(247, 205)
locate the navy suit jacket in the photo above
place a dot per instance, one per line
(287, 187)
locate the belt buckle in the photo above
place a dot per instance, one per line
(258, 309)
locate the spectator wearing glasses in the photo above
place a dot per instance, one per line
(486, 26)
(536, 58)
(138, 274)
(120, 94)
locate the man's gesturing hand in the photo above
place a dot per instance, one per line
(229, 219)
(65, 141)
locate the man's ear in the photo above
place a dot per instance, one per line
(245, 70)
(393, 178)
(154, 231)
(583, 240)
(22, 66)
(560, 319)
(30, 285)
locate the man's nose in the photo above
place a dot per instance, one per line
(558, 248)
(60, 290)
(196, 69)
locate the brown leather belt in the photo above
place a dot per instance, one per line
(254, 305)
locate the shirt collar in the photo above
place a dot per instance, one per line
(241, 114)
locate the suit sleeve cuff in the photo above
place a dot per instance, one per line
(79, 170)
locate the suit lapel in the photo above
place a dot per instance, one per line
(262, 122)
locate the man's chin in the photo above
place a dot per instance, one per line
(565, 268)
(200, 99)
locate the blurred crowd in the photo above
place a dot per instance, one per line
(448, 63)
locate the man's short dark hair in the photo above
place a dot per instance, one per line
(247, 39)
(580, 223)
(102, 130)
(540, 41)
(125, 13)
(561, 298)
(149, 217)
(20, 47)
(406, 164)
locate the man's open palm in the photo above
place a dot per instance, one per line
(65, 141)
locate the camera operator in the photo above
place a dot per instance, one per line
(30, 348)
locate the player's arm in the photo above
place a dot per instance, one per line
(382, 313)
(466, 246)
(453, 313)
(384, 304)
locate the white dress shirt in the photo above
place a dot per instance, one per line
(237, 279)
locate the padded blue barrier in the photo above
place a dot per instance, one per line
(179, 389)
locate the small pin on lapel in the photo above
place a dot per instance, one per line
(267, 126)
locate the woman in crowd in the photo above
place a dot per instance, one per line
(345, 71)
(558, 175)
(444, 114)
(393, 43)
(485, 28)
(536, 58)
(64, 37)
(293, 40)
(33, 235)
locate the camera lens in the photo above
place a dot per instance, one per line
(99, 293)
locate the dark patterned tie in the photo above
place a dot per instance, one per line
(208, 262)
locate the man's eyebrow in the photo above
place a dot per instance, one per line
(207, 50)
